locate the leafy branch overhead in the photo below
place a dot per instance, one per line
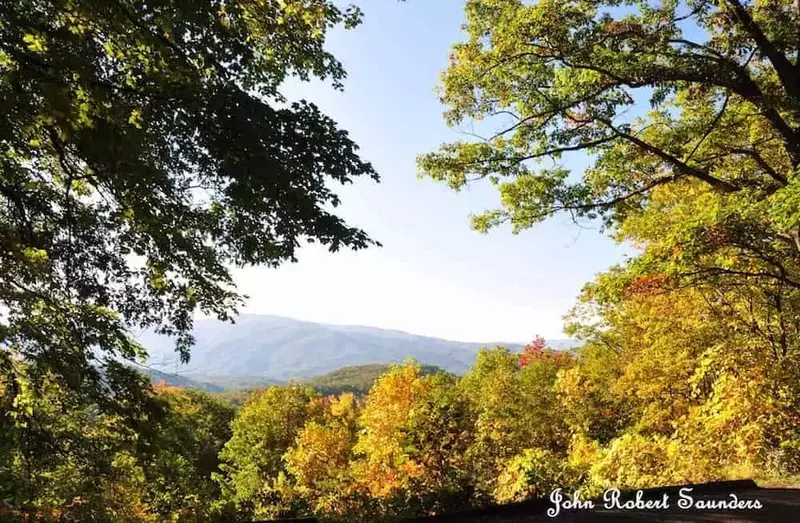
(146, 148)
(556, 78)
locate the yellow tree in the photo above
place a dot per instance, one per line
(320, 463)
(414, 434)
(704, 396)
(386, 468)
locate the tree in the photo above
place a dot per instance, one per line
(252, 461)
(679, 386)
(532, 473)
(146, 147)
(385, 466)
(65, 460)
(439, 433)
(415, 429)
(321, 464)
(515, 407)
(720, 139)
(62, 458)
(687, 117)
(185, 457)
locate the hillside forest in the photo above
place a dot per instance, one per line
(147, 149)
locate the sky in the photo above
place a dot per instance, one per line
(433, 276)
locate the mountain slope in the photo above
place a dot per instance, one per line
(283, 348)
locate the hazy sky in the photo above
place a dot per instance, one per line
(433, 276)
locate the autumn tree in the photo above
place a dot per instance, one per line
(676, 125)
(684, 104)
(321, 463)
(385, 468)
(414, 430)
(439, 431)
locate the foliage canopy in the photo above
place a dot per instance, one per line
(146, 148)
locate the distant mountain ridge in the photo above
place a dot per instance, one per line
(282, 349)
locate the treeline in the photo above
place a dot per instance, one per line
(357, 379)
(629, 410)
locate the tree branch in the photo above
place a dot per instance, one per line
(737, 81)
(542, 154)
(786, 73)
(715, 271)
(775, 175)
(681, 166)
(711, 126)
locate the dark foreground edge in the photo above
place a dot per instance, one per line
(539, 506)
(778, 505)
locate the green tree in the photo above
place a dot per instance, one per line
(252, 461)
(63, 459)
(515, 407)
(185, 456)
(145, 147)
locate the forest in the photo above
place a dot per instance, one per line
(147, 149)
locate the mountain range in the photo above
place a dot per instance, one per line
(259, 349)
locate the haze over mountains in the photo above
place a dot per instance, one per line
(281, 349)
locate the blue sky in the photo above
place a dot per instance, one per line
(434, 275)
